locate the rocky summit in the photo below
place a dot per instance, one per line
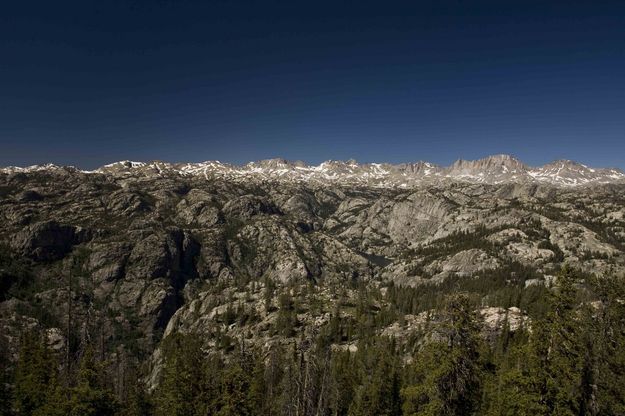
(127, 254)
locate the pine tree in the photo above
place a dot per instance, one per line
(291, 384)
(235, 390)
(287, 317)
(446, 376)
(258, 387)
(558, 352)
(181, 390)
(91, 397)
(514, 389)
(35, 374)
(378, 393)
(608, 341)
(589, 405)
(274, 377)
(344, 378)
(136, 400)
(57, 402)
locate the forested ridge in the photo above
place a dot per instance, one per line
(569, 360)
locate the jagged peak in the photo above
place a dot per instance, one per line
(503, 159)
(273, 163)
(125, 163)
(565, 162)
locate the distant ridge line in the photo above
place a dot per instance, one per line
(494, 169)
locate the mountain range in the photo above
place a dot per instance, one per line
(496, 169)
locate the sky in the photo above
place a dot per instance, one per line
(88, 82)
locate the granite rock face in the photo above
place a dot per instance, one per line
(48, 241)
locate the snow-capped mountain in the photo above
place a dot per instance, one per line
(567, 172)
(494, 169)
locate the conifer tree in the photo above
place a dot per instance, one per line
(134, 396)
(557, 351)
(378, 393)
(91, 397)
(235, 392)
(608, 341)
(274, 376)
(35, 374)
(344, 376)
(57, 402)
(514, 389)
(258, 387)
(137, 402)
(287, 317)
(181, 390)
(446, 377)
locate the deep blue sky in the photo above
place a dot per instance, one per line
(90, 82)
